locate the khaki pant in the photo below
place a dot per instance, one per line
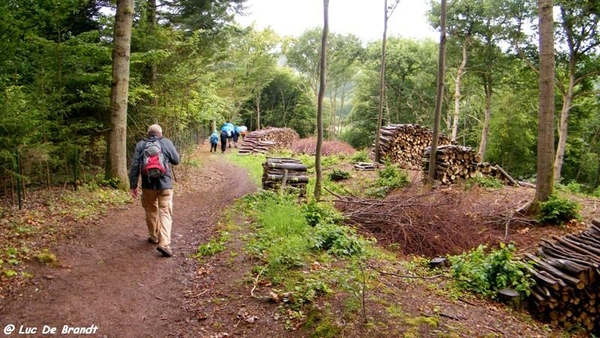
(158, 205)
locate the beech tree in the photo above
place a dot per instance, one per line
(119, 91)
(322, 76)
(545, 147)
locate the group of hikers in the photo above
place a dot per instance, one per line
(152, 161)
(230, 133)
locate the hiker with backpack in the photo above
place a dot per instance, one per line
(229, 129)
(214, 140)
(152, 160)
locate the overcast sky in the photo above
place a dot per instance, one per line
(363, 18)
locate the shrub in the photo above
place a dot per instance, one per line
(361, 156)
(337, 240)
(390, 178)
(320, 213)
(338, 175)
(486, 274)
(558, 210)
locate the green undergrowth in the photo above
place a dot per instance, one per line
(303, 251)
(308, 256)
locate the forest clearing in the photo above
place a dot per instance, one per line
(393, 187)
(102, 271)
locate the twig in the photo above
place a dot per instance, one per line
(256, 281)
(466, 301)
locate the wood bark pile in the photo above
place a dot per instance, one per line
(264, 140)
(283, 173)
(404, 144)
(567, 290)
(454, 163)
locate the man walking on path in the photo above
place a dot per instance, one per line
(157, 185)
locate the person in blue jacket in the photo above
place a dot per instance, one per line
(214, 140)
(227, 130)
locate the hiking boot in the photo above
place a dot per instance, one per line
(152, 240)
(165, 251)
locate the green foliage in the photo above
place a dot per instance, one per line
(338, 240)
(338, 175)
(317, 213)
(558, 210)
(213, 247)
(46, 257)
(360, 156)
(389, 178)
(487, 273)
(484, 181)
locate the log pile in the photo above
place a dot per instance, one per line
(264, 140)
(454, 162)
(567, 290)
(283, 173)
(404, 144)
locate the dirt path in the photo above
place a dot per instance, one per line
(110, 278)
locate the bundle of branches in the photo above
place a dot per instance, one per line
(567, 289)
(284, 172)
(430, 224)
(455, 162)
(264, 140)
(309, 146)
(404, 144)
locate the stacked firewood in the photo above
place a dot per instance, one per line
(281, 173)
(264, 140)
(567, 290)
(404, 144)
(453, 163)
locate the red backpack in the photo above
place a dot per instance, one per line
(154, 163)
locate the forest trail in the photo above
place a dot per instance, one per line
(111, 278)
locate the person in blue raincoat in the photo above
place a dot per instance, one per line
(214, 140)
(227, 130)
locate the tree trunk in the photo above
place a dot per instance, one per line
(117, 141)
(153, 67)
(564, 121)
(545, 147)
(258, 110)
(322, 71)
(440, 92)
(485, 131)
(459, 74)
(381, 82)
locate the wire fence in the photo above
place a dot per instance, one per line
(68, 165)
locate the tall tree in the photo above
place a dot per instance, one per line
(119, 93)
(545, 148)
(579, 22)
(387, 12)
(440, 92)
(320, 96)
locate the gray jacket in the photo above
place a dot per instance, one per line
(165, 182)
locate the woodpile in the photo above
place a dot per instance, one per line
(567, 290)
(454, 162)
(404, 144)
(264, 140)
(284, 173)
